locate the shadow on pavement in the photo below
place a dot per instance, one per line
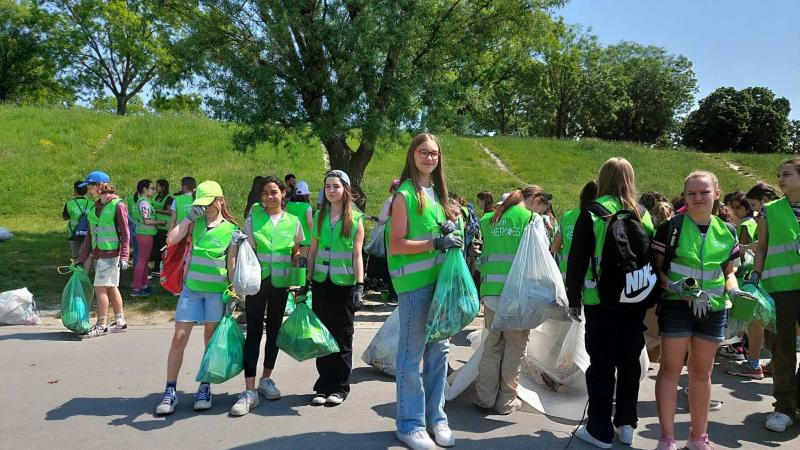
(366, 374)
(539, 440)
(42, 336)
(138, 413)
(731, 435)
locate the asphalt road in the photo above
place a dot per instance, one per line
(60, 392)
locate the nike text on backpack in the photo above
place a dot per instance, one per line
(624, 271)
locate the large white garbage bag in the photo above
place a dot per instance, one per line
(17, 307)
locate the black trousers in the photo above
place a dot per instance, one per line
(159, 241)
(614, 341)
(331, 303)
(273, 301)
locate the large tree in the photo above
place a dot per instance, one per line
(748, 120)
(117, 46)
(651, 90)
(27, 65)
(330, 67)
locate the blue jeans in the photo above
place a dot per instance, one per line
(420, 400)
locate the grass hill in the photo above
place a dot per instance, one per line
(44, 150)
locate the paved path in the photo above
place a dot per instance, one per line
(60, 392)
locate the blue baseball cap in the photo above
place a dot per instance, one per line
(95, 177)
(340, 175)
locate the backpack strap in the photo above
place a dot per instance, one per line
(605, 215)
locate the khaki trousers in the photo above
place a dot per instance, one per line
(498, 373)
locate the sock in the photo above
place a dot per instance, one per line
(102, 321)
(797, 340)
(172, 384)
(753, 363)
(120, 319)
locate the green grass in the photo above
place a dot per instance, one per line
(45, 150)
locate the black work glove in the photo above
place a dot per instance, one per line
(447, 227)
(450, 241)
(357, 297)
(303, 290)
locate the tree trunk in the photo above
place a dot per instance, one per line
(122, 104)
(352, 163)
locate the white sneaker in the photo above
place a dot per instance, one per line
(583, 434)
(202, 399)
(247, 401)
(118, 326)
(97, 331)
(625, 433)
(319, 399)
(777, 421)
(267, 388)
(417, 440)
(443, 435)
(168, 403)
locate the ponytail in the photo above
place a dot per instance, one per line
(514, 198)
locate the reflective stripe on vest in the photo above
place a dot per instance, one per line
(136, 214)
(335, 253)
(701, 257)
(274, 244)
(500, 243)
(415, 271)
(104, 227)
(208, 270)
(161, 205)
(782, 266)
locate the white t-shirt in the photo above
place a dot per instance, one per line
(431, 193)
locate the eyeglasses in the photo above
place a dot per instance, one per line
(428, 154)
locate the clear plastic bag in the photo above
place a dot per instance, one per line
(17, 307)
(247, 274)
(534, 290)
(765, 310)
(381, 353)
(224, 355)
(455, 301)
(76, 300)
(376, 245)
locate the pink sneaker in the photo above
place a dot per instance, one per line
(699, 443)
(667, 443)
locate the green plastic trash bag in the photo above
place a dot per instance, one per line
(765, 310)
(224, 355)
(303, 336)
(455, 300)
(76, 300)
(290, 303)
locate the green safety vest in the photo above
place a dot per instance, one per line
(568, 221)
(76, 207)
(702, 257)
(161, 205)
(612, 204)
(136, 215)
(104, 227)
(274, 245)
(782, 267)
(208, 271)
(749, 226)
(298, 209)
(334, 252)
(183, 204)
(500, 244)
(415, 271)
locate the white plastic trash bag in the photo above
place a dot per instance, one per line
(533, 291)
(462, 378)
(381, 353)
(247, 274)
(376, 246)
(17, 307)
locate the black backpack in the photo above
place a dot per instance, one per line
(626, 273)
(82, 227)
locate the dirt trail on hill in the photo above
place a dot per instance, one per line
(499, 162)
(738, 168)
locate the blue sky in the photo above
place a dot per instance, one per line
(730, 42)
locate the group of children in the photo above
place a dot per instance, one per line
(692, 279)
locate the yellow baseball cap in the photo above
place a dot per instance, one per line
(206, 192)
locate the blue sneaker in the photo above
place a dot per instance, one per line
(168, 403)
(202, 400)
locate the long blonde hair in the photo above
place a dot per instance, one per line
(617, 178)
(516, 196)
(410, 172)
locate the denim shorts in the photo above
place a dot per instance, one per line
(199, 307)
(675, 319)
